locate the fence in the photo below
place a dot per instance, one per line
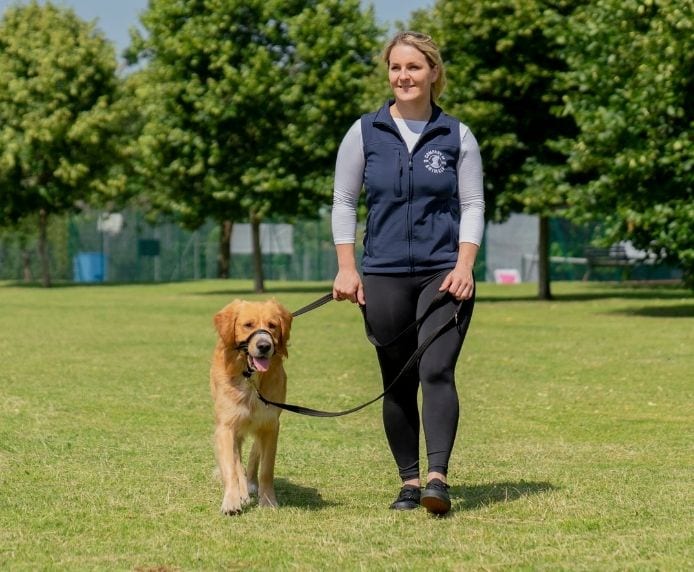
(128, 248)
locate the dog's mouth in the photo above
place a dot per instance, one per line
(258, 363)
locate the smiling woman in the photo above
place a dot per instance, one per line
(416, 75)
(422, 173)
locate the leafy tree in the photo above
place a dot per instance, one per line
(57, 121)
(630, 90)
(245, 102)
(501, 60)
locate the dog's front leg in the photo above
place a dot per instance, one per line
(228, 450)
(252, 472)
(267, 442)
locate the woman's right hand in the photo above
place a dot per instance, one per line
(348, 286)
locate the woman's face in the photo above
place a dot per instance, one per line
(410, 74)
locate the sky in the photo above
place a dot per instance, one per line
(116, 17)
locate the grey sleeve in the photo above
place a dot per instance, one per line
(349, 176)
(470, 188)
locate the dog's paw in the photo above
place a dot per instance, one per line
(268, 500)
(230, 506)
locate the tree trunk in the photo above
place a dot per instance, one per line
(258, 280)
(43, 248)
(544, 292)
(26, 260)
(224, 256)
(26, 265)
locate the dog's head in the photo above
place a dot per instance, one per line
(261, 329)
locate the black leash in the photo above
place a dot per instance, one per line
(313, 305)
(410, 363)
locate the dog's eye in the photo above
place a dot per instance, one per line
(272, 326)
(248, 325)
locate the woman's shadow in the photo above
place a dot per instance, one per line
(478, 496)
(291, 494)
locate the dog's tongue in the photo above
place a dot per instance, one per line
(261, 364)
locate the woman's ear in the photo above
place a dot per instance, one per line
(434, 73)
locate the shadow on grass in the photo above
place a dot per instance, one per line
(290, 494)
(604, 293)
(293, 289)
(233, 290)
(482, 495)
(596, 291)
(680, 311)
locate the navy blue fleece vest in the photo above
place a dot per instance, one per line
(412, 198)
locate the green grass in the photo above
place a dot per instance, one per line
(574, 448)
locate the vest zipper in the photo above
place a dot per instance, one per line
(410, 192)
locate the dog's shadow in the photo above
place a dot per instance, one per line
(473, 497)
(291, 494)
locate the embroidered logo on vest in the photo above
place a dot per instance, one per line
(435, 161)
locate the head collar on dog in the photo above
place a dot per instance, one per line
(243, 346)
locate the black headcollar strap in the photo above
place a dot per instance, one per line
(243, 347)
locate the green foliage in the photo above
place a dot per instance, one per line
(244, 102)
(501, 60)
(57, 119)
(582, 109)
(630, 89)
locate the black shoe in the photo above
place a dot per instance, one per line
(408, 498)
(435, 497)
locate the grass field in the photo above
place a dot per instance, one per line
(574, 448)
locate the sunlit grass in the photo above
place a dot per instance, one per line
(574, 446)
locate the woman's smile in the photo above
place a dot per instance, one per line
(410, 74)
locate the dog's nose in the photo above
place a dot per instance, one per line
(263, 346)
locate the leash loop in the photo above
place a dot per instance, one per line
(410, 362)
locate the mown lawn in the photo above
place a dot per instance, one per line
(574, 448)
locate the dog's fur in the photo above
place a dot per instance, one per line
(238, 411)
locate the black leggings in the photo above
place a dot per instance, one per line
(392, 303)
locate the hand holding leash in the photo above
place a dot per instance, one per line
(348, 286)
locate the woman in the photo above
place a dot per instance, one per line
(422, 173)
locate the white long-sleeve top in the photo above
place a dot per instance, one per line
(349, 177)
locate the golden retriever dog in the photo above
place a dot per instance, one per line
(250, 349)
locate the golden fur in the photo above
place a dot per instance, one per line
(238, 411)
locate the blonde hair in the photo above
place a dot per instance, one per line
(425, 44)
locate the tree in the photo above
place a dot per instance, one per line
(630, 90)
(57, 122)
(501, 60)
(245, 103)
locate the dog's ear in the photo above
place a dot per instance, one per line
(285, 325)
(225, 323)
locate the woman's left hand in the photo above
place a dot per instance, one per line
(459, 283)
